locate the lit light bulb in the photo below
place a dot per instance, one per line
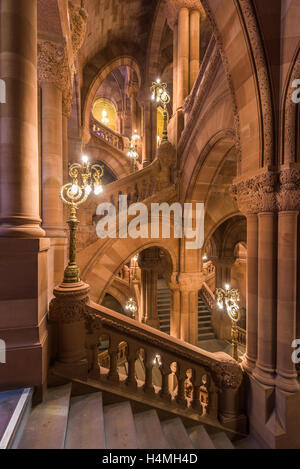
(85, 159)
(98, 190)
(227, 287)
(158, 80)
(88, 190)
(74, 189)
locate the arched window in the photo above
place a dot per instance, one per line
(104, 111)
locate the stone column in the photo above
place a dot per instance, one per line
(194, 46)
(251, 288)
(266, 347)
(19, 166)
(289, 203)
(190, 284)
(175, 66)
(149, 262)
(175, 310)
(183, 56)
(23, 260)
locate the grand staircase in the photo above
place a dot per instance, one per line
(163, 306)
(64, 421)
(205, 329)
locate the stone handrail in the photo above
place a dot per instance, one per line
(208, 295)
(107, 135)
(195, 380)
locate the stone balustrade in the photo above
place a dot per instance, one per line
(203, 384)
(107, 135)
(208, 295)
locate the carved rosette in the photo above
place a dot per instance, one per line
(289, 196)
(257, 194)
(227, 374)
(78, 22)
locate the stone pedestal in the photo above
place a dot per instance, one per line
(23, 311)
(66, 314)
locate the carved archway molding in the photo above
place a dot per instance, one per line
(122, 61)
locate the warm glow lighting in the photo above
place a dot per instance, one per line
(98, 190)
(104, 119)
(85, 159)
(88, 189)
(74, 189)
(158, 80)
(227, 287)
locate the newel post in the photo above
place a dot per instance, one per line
(67, 313)
(228, 376)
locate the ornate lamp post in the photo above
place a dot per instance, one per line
(85, 178)
(131, 307)
(132, 153)
(162, 98)
(230, 298)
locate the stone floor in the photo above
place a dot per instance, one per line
(8, 403)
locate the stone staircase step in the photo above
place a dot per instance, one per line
(120, 431)
(206, 337)
(47, 424)
(176, 434)
(200, 438)
(149, 431)
(221, 441)
(86, 423)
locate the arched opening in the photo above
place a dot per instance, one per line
(104, 111)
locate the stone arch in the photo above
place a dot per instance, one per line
(99, 271)
(116, 161)
(248, 79)
(121, 61)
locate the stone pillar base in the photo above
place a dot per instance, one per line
(238, 424)
(274, 416)
(23, 309)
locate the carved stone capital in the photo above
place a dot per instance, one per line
(257, 194)
(227, 373)
(174, 6)
(53, 64)
(69, 304)
(289, 196)
(78, 23)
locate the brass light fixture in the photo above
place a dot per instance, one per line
(85, 178)
(132, 153)
(230, 298)
(162, 98)
(131, 307)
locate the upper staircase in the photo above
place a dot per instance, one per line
(163, 306)
(205, 329)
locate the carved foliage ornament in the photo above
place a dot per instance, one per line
(269, 192)
(227, 374)
(78, 23)
(66, 311)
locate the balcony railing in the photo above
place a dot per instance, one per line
(106, 135)
(205, 385)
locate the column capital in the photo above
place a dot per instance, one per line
(288, 198)
(256, 194)
(174, 6)
(53, 67)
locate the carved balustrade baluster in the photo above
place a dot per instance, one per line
(113, 374)
(148, 362)
(131, 359)
(181, 376)
(165, 371)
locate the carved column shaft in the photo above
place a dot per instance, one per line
(19, 166)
